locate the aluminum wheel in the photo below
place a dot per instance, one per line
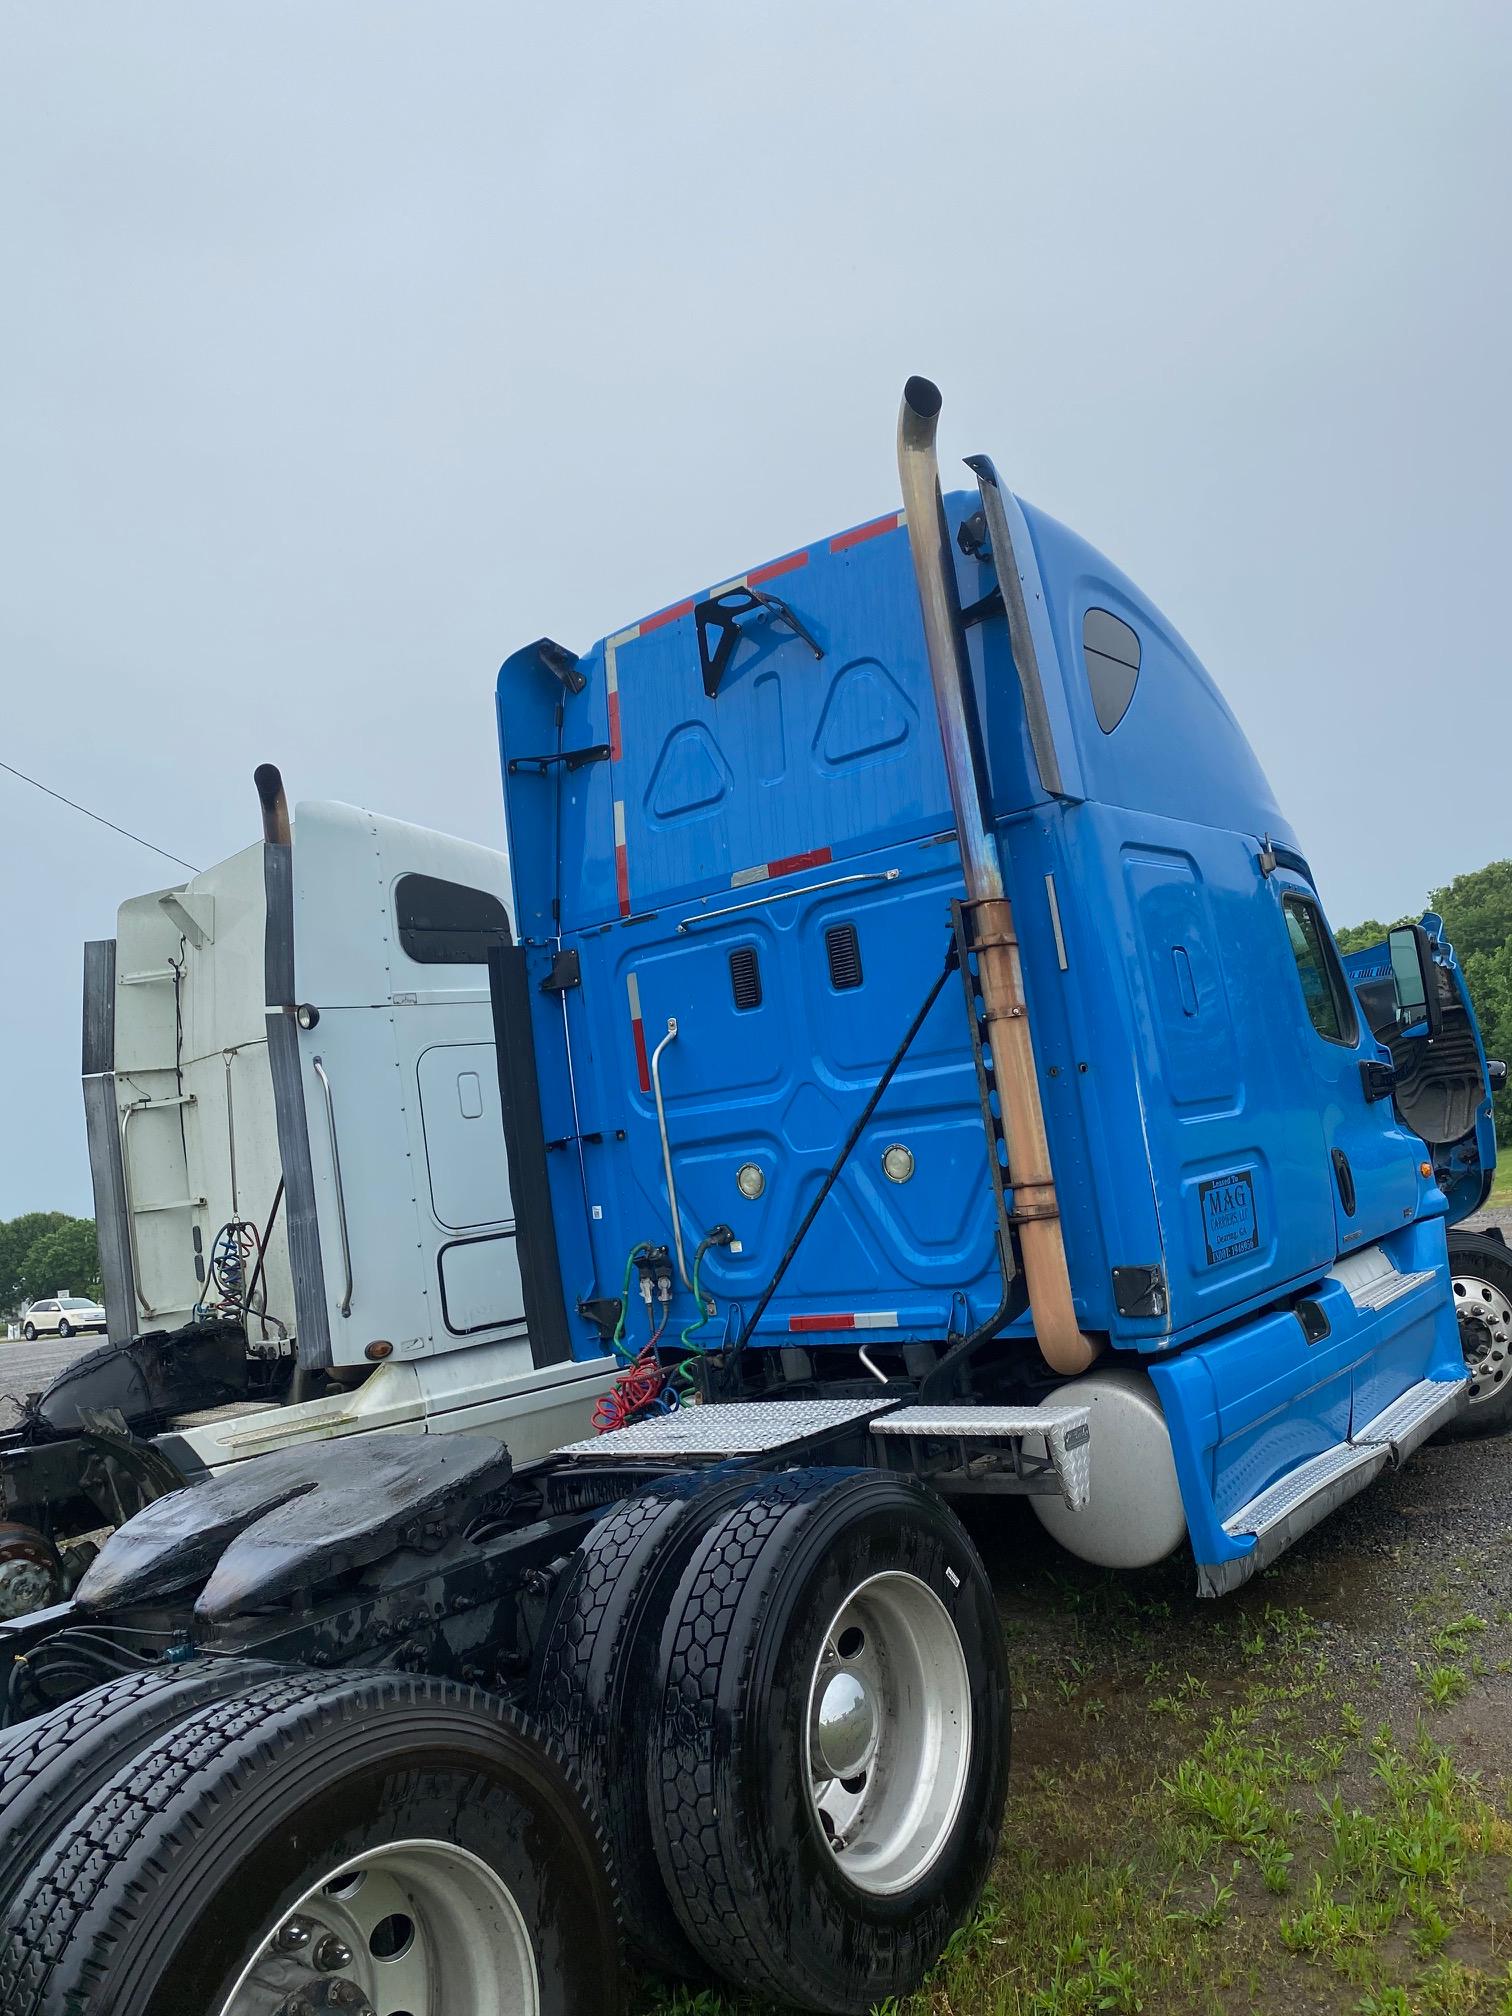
(416, 1928)
(889, 1728)
(1485, 1320)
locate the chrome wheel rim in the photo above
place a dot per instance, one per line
(1485, 1320)
(889, 1732)
(415, 1928)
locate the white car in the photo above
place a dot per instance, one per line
(62, 1316)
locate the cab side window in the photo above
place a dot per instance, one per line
(1325, 992)
(1111, 650)
(446, 923)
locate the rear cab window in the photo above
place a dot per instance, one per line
(1325, 991)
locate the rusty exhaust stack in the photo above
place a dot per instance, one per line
(275, 807)
(1035, 1209)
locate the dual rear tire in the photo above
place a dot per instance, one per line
(792, 1708)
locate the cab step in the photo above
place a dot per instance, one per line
(1285, 1510)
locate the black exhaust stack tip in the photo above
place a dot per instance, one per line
(923, 397)
(275, 807)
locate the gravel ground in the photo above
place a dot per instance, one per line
(27, 1368)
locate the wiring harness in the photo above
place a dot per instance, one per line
(235, 1272)
(646, 1385)
(233, 1255)
(642, 1386)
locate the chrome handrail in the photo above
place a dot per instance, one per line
(782, 895)
(666, 1148)
(231, 1130)
(345, 1305)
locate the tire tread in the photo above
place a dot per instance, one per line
(57, 1943)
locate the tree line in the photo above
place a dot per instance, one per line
(46, 1253)
(1477, 913)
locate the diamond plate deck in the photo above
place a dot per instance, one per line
(980, 1422)
(1067, 1433)
(734, 1428)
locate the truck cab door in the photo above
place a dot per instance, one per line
(1372, 1158)
(401, 1222)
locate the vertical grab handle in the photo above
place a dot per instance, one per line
(131, 1234)
(666, 1148)
(341, 1217)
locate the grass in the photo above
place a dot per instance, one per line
(1292, 1828)
(1501, 1183)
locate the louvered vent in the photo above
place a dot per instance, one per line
(745, 977)
(844, 950)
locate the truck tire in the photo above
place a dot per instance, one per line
(828, 1775)
(1481, 1270)
(328, 1842)
(595, 1685)
(55, 1763)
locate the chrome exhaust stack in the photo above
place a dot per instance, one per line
(275, 806)
(1035, 1208)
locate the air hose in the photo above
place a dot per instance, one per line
(686, 1373)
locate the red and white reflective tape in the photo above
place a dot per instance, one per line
(789, 564)
(873, 529)
(638, 1032)
(616, 750)
(665, 616)
(785, 864)
(772, 571)
(846, 1319)
(611, 686)
(621, 859)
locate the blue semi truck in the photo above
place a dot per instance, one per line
(926, 1072)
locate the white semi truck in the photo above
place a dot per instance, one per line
(219, 1155)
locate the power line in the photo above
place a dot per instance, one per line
(99, 821)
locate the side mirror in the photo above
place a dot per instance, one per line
(1414, 981)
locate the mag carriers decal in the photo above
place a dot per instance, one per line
(1228, 1216)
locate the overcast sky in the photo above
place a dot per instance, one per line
(347, 346)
